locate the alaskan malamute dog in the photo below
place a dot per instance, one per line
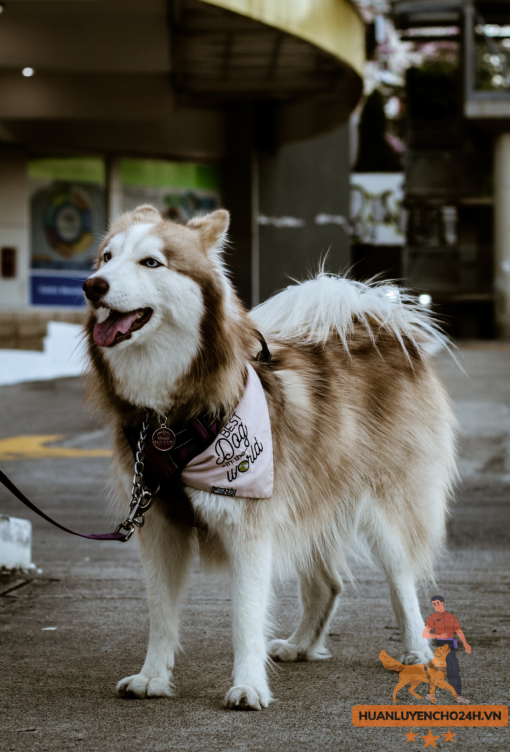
(363, 436)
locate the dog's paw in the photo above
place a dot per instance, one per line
(286, 651)
(244, 697)
(283, 650)
(318, 654)
(141, 687)
(414, 657)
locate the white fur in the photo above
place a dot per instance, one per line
(166, 554)
(147, 366)
(310, 311)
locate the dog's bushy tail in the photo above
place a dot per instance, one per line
(310, 311)
(390, 663)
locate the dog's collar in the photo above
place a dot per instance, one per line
(191, 438)
(264, 356)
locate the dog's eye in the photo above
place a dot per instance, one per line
(107, 256)
(151, 263)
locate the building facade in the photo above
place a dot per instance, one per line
(184, 104)
(457, 167)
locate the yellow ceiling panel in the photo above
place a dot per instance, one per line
(332, 25)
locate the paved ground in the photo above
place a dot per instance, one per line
(56, 686)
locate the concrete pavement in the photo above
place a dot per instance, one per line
(69, 633)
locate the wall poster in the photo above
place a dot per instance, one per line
(68, 219)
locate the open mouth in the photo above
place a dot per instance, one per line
(119, 326)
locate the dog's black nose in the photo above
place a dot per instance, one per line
(95, 288)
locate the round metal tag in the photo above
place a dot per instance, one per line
(163, 439)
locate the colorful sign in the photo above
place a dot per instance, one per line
(179, 190)
(68, 218)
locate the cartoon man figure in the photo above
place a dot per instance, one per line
(445, 626)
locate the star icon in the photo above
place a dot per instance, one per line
(430, 740)
(410, 736)
(449, 736)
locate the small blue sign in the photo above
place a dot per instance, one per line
(53, 290)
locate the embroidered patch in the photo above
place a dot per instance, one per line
(240, 459)
(223, 491)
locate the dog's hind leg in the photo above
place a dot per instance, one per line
(407, 611)
(319, 591)
(403, 681)
(165, 551)
(415, 682)
(389, 548)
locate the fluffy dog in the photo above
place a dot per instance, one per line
(432, 673)
(363, 436)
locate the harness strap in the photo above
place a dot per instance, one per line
(191, 439)
(264, 356)
(21, 497)
(163, 469)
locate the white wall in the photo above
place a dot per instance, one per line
(14, 224)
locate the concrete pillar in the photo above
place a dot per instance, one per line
(502, 233)
(114, 206)
(14, 228)
(289, 205)
(304, 209)
(240, 197)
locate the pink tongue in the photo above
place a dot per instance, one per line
(104, 333)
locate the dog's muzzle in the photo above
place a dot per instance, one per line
(95, 288)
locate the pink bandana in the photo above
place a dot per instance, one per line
(239, 462)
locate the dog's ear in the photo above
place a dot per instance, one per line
(213, 230)
(146, 213)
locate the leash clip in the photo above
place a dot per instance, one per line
(135, 518)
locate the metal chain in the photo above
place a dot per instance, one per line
(162, 420)
(141, 497)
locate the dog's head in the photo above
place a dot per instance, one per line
(442, 652)
(157, 297)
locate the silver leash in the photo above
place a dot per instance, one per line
(141, 497)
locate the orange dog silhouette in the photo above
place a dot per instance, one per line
(432, 673)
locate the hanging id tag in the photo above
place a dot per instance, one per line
(163, 438)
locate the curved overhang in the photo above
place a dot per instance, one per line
(334, 26)
(301, 60)
(164, 74)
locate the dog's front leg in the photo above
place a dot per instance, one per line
(250, 566)
(165, 551)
